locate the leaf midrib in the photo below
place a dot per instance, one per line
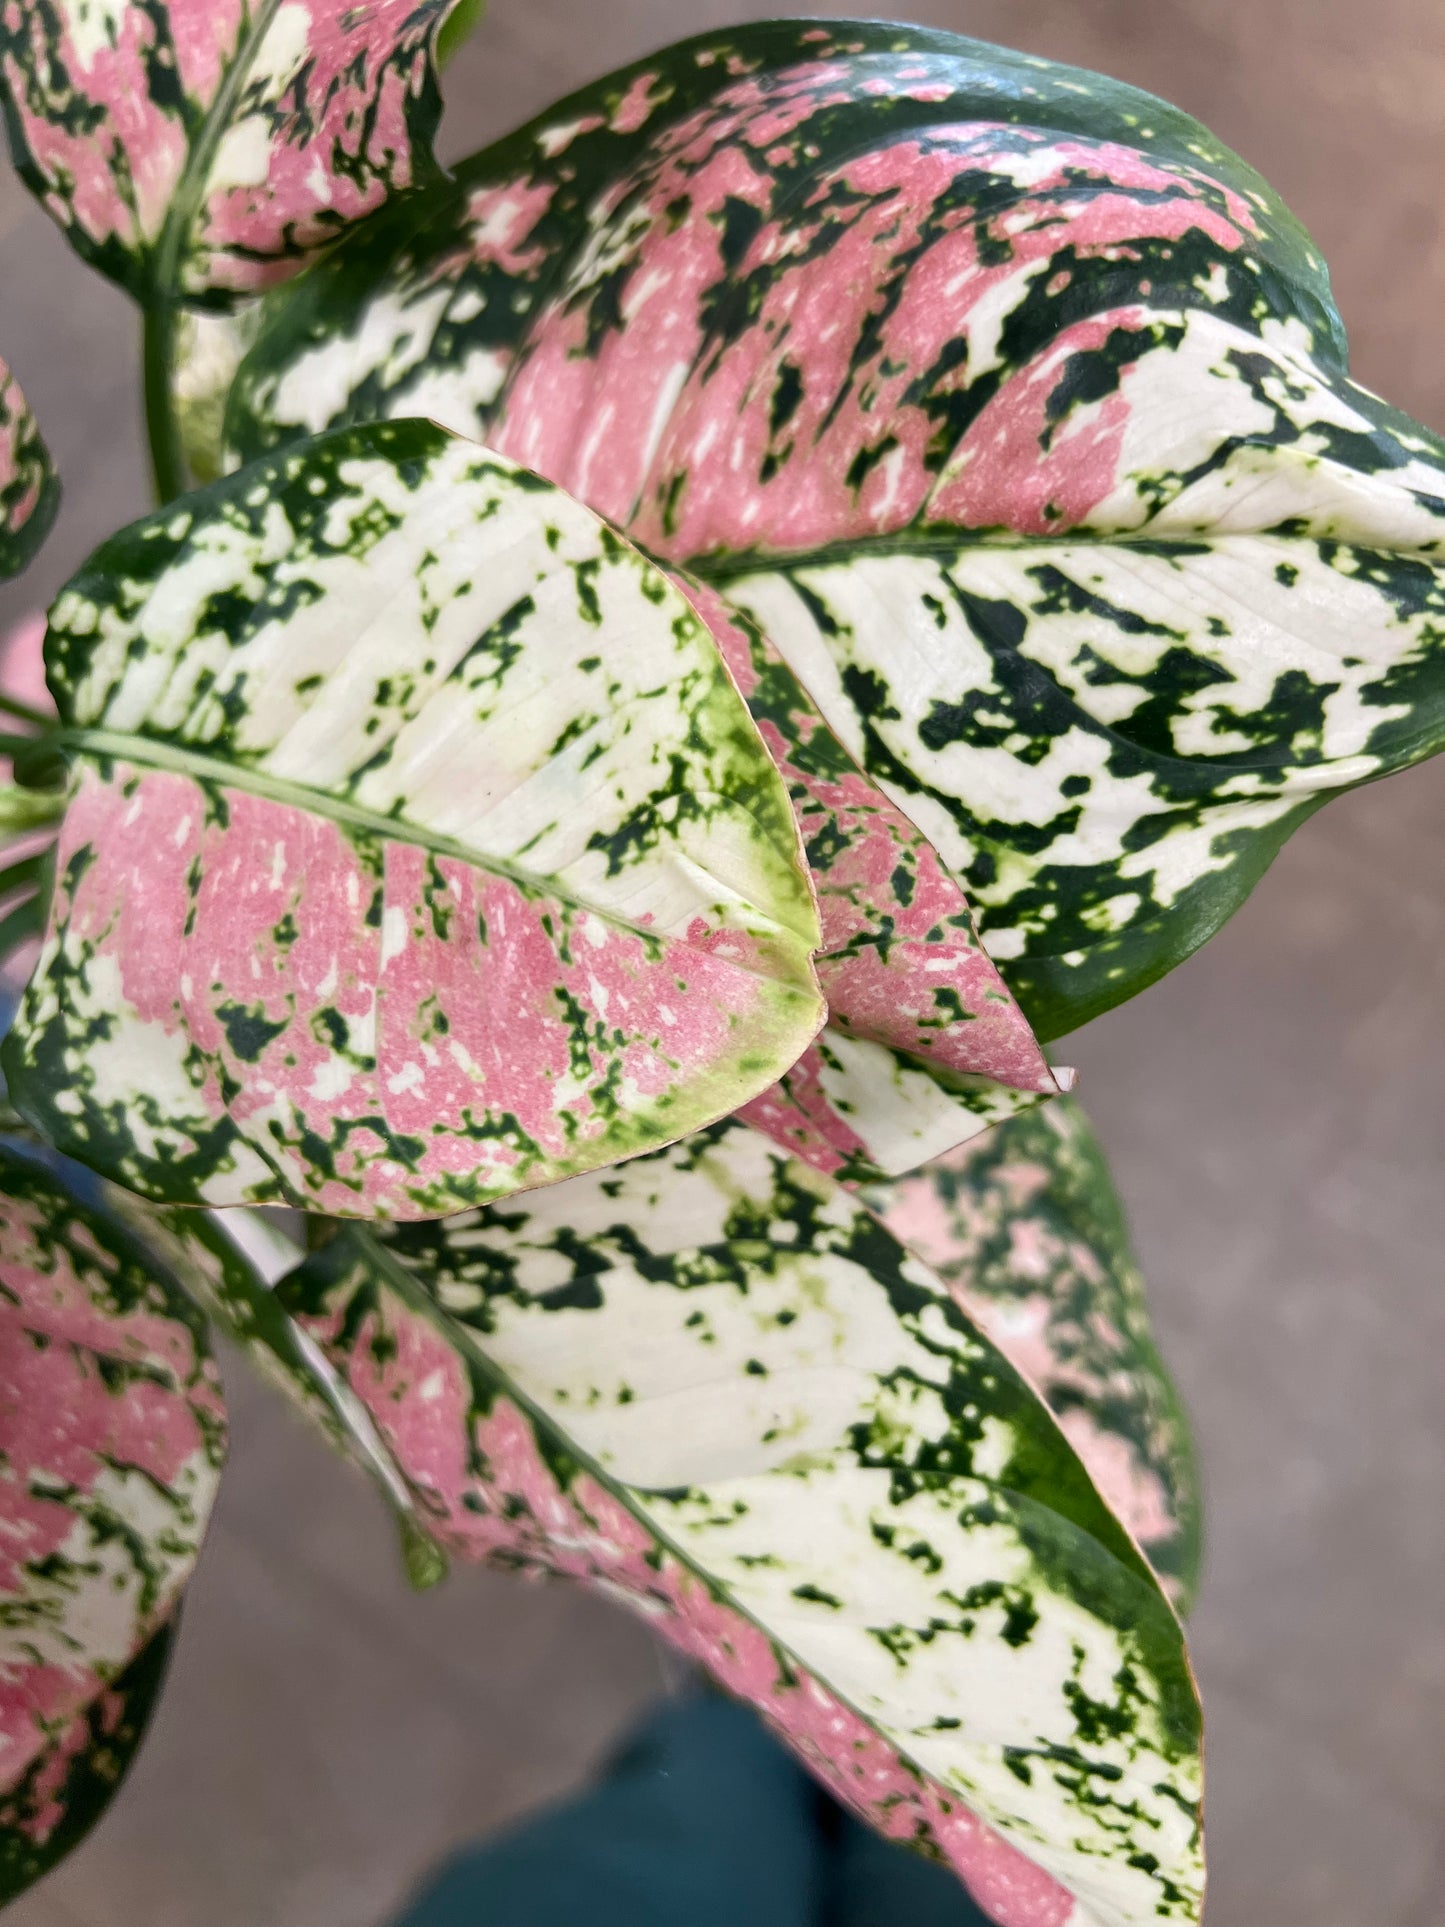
(200, 155)
(145, 752)
(731, 573)
(942, 540)
(633, 1499)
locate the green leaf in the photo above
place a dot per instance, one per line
(29, 490)
(1011, 407)
(710, 1383)
(112, 1435)
(23, 924)
(422, 849)
(211, 153)
(22, 811)
(457, 28)
(1026, 1229)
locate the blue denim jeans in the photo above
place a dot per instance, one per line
(701, 1820)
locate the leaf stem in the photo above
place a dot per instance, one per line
(168, 467)
(28, 874)
(12, 706)
(168, 462)
(24, 810)
(22, 925)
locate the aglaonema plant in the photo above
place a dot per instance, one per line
(202, 150)
(711, 634)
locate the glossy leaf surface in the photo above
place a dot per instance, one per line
(1009, 404)
(422, 851)
(925, 1045)
(112, 1436)
(710, 1382)
(209, 147)
(1027, 1231)
(29, 491)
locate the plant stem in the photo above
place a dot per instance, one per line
(168, 466)
(168, 462)
(12, 706)
(24, 810)
(22, 925)
(27, 874)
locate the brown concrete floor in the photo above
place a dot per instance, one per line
(1275, 1112)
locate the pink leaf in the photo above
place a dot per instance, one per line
(111, 1441)
(448, 865)
(205, 146)
(29, 491)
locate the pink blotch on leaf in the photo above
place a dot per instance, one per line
(899, 945)
(500, 221)
(68, 1419)
(340, 141)
(636, 105)
(1017, 467)
(493, 1495)
(418, 1005)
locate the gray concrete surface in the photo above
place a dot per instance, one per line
(1275, 1112)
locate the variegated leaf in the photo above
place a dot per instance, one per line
(229, 1262)
(459, 23)
(69, 1784)
(29, 491)
(422, 849)
(862, 1111)
(111, 1441)
(1010, 405)
(928, 1047)
(1027, 1231)
(27, 816)
(709, 1382)
(210, 147)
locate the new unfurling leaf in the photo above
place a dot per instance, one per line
(925, 1045)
